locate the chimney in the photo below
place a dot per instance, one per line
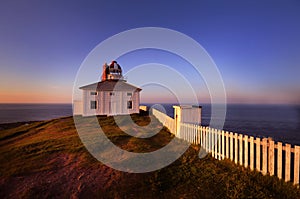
(103, 77)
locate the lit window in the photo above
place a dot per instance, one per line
(129, 94)
(129, 104)
(94, 93)
(93, 104)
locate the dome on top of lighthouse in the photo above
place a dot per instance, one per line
(114, 65)
(112, 71)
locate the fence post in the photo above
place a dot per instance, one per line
(187, 132)
(227, 144)
(271, 158)
(206, 138)
(236, 148)
(190, 133)
(296, 164)
(264, 156)
(200, 138)
(203, 137)
(258, 154)
(223, 146)
(241, 149)
(183, 131)
(196, 134)
(246, 151)
(211, 132)
(214, 142)
(210, 139)
(287, 162)
(279, 160)
(231, 146)
(252, 153)
(219, 144)
(178, 131)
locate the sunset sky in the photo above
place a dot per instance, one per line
(255, 45)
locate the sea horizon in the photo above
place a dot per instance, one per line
(279, 121)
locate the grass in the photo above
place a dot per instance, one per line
(47, 160)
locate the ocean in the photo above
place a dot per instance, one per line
(281, 122)
(10, 113)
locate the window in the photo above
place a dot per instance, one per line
(129, 94)
(129, 104)
(93, 104)
(111, 93)
(94, 93)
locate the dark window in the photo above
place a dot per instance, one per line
(129, 94)
(94, 93)
(129, 104)
(111, 93)
(93, 104)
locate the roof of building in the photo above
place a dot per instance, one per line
(111, 85)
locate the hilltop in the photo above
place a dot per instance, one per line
(47, 160)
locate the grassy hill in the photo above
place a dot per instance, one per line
(47, 160)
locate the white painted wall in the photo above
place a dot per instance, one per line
(110, 104)
(77, 107)
(187, 114)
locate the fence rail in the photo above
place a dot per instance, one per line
(261, 154)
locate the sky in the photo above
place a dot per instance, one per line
(254, 44)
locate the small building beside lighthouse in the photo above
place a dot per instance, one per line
(112, 95)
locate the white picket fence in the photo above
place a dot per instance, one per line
(262, 154)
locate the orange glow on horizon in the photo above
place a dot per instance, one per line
(35, 97)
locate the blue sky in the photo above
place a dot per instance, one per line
(255, 44)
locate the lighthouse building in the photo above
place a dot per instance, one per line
(112, 95)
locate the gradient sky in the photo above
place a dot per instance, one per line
(255, 44)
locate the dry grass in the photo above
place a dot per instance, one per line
(47, 160)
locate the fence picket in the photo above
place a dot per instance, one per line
(219, 144)
(264, 156)
(271, 158)
(231, 146)
(296, 164)
(279, 160)
(258, 144)
(236, 148)
(246, 151)
(287, 162)
(223, 144)
(252, 153)
(227, 144)
(241, 149)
